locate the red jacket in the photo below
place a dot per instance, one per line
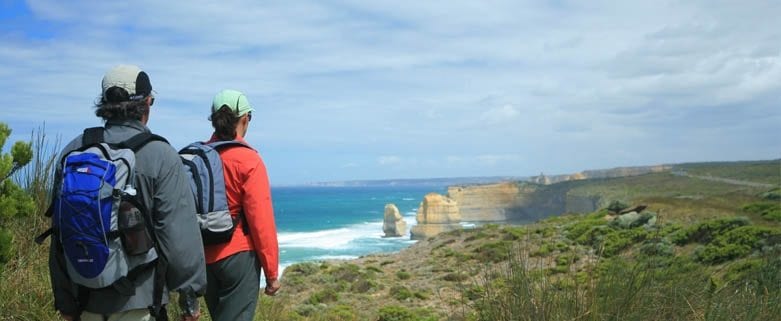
(247, 188)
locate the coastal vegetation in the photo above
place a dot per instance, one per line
(700, 250)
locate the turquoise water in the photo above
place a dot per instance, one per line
(318, 223)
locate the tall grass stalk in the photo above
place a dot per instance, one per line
(649, 288)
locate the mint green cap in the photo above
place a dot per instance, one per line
(234, 99)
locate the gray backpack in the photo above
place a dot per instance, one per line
(204, 169)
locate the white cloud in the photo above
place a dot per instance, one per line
(421, 78)
(500, 114)
(389, 160)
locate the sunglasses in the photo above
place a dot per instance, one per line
(249, 117)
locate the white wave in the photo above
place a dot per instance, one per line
(407, 199)
(339, 238)
(335, 257)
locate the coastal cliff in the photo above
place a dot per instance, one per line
(436, 214)
(527, 201)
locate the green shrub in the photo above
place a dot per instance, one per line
(546, 231)
(306, 268)
(737, 243)
(347, 272)
(577, 229)
(455, 277)
(400, 292)
(339, 313)
(395, 313)
(494, 251)
(14, 201)
(616, 241)
(743, 270)
(594, 235)
(706, 231)
(544, 249)
(373, 268)
(323, 296)
(770, 211)
(617, 206)
(363, 285)
(403, 275)
(772, 195)
(398, 313)
(515, 233)
(566, 259)
(657, 248)
(6, 246)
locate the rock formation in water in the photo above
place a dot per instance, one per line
(393, 225)
(436, 214)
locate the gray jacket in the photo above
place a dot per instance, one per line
(164, 189)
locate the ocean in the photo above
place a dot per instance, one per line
(320, 223)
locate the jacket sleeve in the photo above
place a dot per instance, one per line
(177, 229)
(260, 217)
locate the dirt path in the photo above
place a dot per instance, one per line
(723, 180)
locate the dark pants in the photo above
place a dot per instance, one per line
(233, 287)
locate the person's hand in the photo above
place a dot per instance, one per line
(66, 317)
(272, 286)
(193, 317)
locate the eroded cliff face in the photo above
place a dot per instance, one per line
(490, 202)
(515, 201)
(436, 214)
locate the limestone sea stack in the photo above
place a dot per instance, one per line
(393, 225)
(436, 214)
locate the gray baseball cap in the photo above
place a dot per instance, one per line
(130, 78)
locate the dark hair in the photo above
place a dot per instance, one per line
(114, 105)
(224, 122)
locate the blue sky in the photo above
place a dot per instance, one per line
(414, 89)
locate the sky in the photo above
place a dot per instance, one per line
(355, 89)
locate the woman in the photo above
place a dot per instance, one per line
(233, 268)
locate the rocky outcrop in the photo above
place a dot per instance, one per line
(490, 202)
(436, 214)
(393, 225)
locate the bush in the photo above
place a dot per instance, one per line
(577, 229)
(403, 275)
(13, 200)
(617, 206)
(706, 231)
(616, 241)
(397, 313)
(772, 195)
(323, 296)
(400, 292)
(494, 251)
(736, 243)
(770, 211)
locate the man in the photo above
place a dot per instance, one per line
(161, 187)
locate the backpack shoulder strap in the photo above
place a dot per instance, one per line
(227, 143)
(136, 142)
(92, 136)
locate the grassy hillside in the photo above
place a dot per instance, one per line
(711, 254)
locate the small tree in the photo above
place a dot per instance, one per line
(13, 200)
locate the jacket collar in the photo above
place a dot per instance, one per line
(131, 123)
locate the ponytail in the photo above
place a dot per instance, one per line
(224, 122)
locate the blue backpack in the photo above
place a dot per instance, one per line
(104, 232)
(203, 166)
